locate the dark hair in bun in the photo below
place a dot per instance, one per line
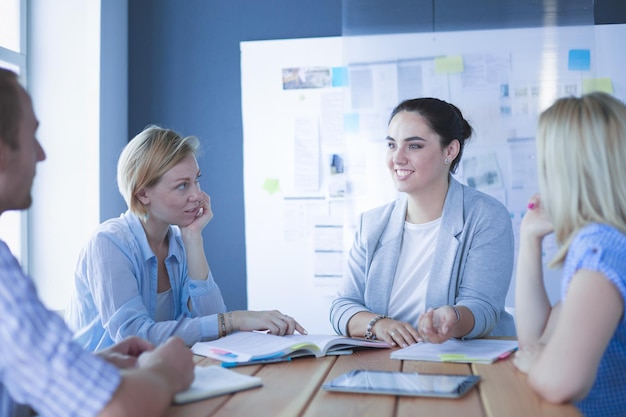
(444, 119)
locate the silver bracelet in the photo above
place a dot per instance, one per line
(222, 331)
(458, 314)
(368, 332)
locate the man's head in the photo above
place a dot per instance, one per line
(19, 149)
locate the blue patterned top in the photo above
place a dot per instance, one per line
(602, 248)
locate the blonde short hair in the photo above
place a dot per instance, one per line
(581, 155)
(146, 158)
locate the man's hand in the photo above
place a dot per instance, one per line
(124, 354)
(173, 360)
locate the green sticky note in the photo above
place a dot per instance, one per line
(449, 64)
(271, 185)
(597, 84)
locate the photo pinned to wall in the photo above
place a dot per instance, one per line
(306, 77)
(337, 178)
(505, 100)
(482, 173)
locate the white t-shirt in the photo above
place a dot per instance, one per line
(164, 306)
(408, 294)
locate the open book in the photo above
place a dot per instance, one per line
(454, 350)
(211, 381)
(256, 347)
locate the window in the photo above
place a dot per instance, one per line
(13, 56)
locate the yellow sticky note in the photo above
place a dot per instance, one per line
(597, 84)
(451, 357)
(271, 185)
(448, 64)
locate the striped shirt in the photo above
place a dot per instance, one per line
(40, 365)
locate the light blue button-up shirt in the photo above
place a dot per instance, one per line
(115, 289)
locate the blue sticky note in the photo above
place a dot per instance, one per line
(340, 76)
(351, 123)
(579, 60)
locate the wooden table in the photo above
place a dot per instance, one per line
(292, 389)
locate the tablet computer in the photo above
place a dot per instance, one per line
(403, 383)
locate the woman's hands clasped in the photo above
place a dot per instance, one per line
(433, 326)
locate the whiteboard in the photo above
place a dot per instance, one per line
(314, 122)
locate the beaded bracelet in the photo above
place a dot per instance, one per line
(368, 332)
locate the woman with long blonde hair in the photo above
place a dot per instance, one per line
(576, 350)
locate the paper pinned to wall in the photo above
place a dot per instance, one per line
(306, 155)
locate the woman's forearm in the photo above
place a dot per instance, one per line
(532, 306)
(197, 264)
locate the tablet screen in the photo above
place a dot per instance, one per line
(403, 383)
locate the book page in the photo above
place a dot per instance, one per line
(320, 340)
(331, 343)
(246, 346)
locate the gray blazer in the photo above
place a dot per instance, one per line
(472, 264)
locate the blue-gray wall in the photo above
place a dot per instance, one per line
(184, 73)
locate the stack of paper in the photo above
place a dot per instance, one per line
(454, 350)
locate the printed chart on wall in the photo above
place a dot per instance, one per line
(314, 121)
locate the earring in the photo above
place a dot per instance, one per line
(446, 161)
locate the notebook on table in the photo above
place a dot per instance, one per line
(211, 381)
(455, 350)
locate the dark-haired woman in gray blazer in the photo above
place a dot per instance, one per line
(437, 262)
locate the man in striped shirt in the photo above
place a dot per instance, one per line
(41, 368)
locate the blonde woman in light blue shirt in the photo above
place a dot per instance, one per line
(142, 272)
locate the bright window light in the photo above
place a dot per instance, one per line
(10, 24)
